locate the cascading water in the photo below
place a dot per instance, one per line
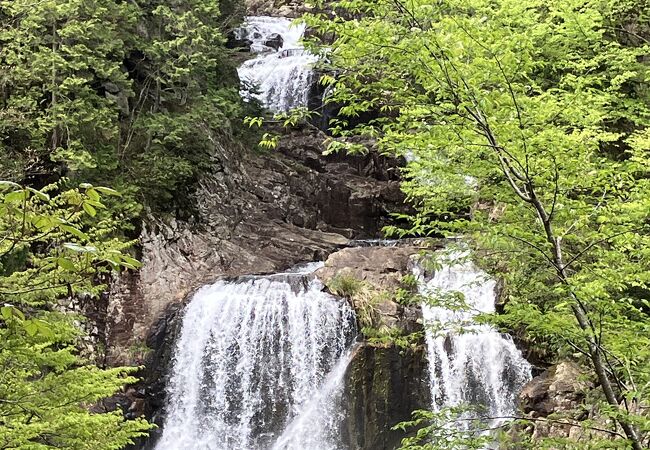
(282, 75)
(480, 366)
(261, 362)
(257, 361)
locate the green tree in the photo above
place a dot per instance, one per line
(526, 127)
(57, 60)
(187, 98)
(56, 244)
(134, 94)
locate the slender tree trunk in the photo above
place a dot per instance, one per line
(581, 315)
(53, 104)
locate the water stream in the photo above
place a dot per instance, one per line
(282, 76)
(478, 366)
(256, 356)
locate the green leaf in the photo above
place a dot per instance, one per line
(66, 264)
(108, 191)
(6, 185)
(90, 210)
(31, 327)
(74, 231)
(41, 195)
(17, 196)
(80, 248)
(93, 194)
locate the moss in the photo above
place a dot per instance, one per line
(394, 336)
(344, 285)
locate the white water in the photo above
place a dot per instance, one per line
(478, 366)
(283, 77)
(255, 357)
(323, 412)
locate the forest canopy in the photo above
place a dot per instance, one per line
(525, 124)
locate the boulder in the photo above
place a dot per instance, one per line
(554, 401)
(560, 388)
(238, 39)
(274, 41)
(380, 266)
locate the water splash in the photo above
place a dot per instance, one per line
(480, 366)
(251, 355)
(314, 426)
(283, 77)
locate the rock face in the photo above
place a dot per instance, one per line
(386, 381)
(559, 389)
(384, 386)
(554, 401)
(255, 213)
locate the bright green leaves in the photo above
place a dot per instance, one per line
(52, 249)
(494, 103)
(62, 222)
(430, 430)
(286, 120)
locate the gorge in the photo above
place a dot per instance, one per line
(324, 225)
(266, 362)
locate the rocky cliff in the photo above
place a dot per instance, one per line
(256, 213)
(388, 377)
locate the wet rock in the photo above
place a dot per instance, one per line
(274, 41)
(237, 39)
(383, 387)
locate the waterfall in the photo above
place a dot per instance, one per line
(282, 72)
(323, 412)
(257, 358)
(479, 366)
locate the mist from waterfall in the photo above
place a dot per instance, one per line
(478, 366)
(255, 357)
(283, 77)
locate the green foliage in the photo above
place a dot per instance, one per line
(286, 119)
(457, 428)
(134, 94)
(56, 243)
(526, 127)
(394, 336)
(344, 285)
(54, 55)
(269, 141)
(407, 293)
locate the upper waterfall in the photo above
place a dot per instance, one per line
(282, 72)
(251, 359)
(479, 366)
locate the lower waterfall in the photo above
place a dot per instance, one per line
(479, 366)
(257, 358)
